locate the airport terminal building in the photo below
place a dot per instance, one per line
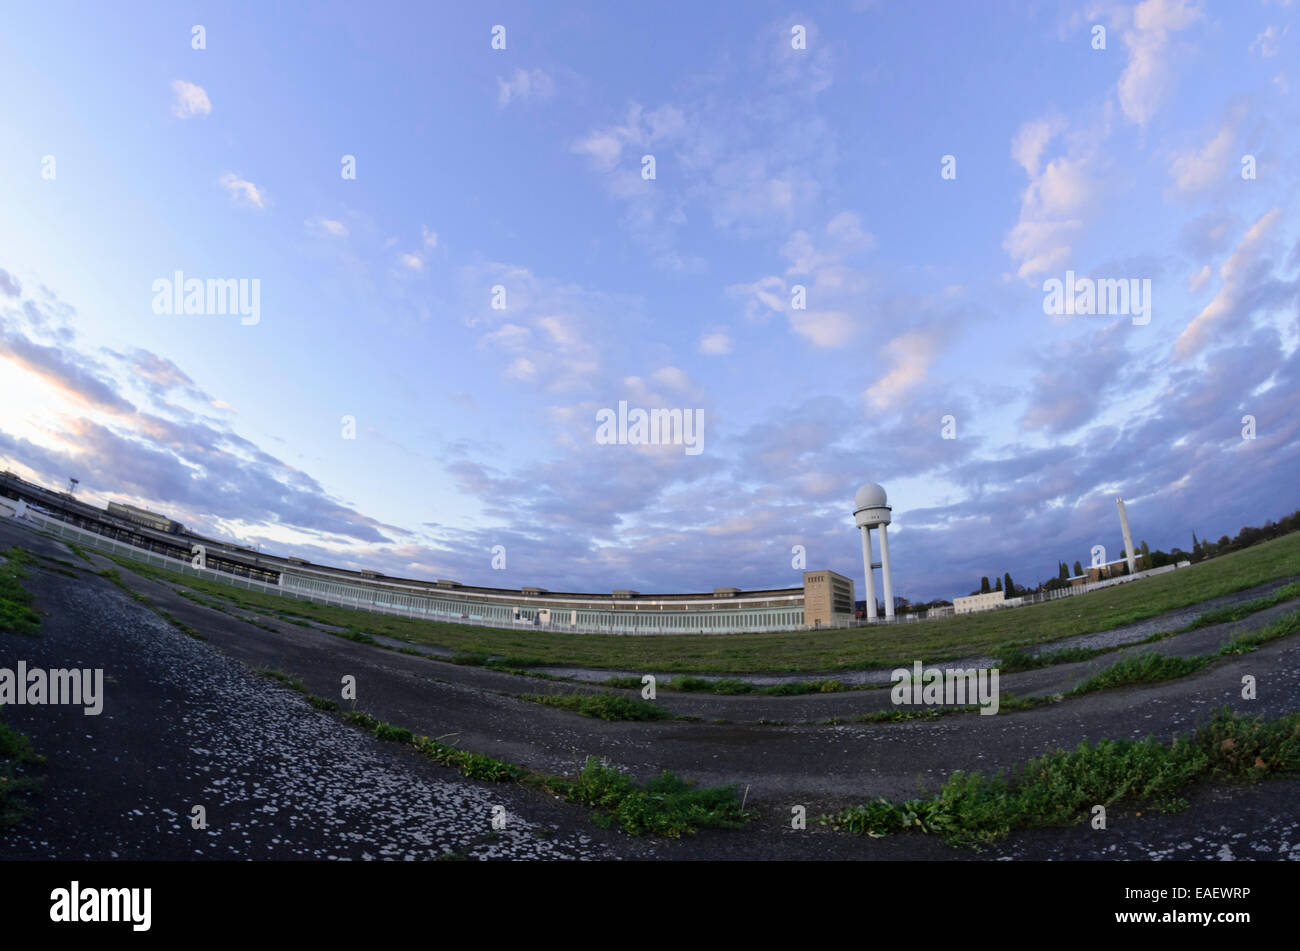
(824, 599)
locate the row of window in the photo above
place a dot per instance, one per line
(592, 620)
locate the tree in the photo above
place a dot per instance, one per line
(1064, 573)
(1146, 555)
(1078, 569)
(999, 585)
(1008, 587)
(984, 585)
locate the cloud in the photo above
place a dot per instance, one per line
(1029, 143)
(824, 328)
(242, 191)
(78, 378)
(523, 369)
(9, 285)
(524, 85)
(640, 129)
(1198, 169)
(411, 261)
(1052, 205)
(715, 344)
(189, 100)
(674, 378)
(327, 227)
(1266, 42)
(1074, 376)
(1199, 279)
(1147, 76)
(911, 354)
(430, 238)
(1242, 275)
(156, 453)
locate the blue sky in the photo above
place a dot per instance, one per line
(774, 167)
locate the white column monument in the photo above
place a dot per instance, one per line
(871, 511)
(1128, 537)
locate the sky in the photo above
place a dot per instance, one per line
(827, 231)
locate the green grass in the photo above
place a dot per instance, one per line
(623, 683)
(1061, 788)
(606, 706)
(79, 552)
(940, 639)
(1236, 612)
(1245, 643)
(180, 625)
(898, 714)
(1146, 668)
(473, 765)
(733, 686)
(293, 683)
(16, 614)
(1019, 659)
(16, 785)
(665, 806)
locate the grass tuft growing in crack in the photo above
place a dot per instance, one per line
(665, 805)
(606, 706)
(16, 612)
(1146, 668)
(1236, 612)
(1061, 788)
(16, 753)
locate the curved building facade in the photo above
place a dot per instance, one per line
(825, 599)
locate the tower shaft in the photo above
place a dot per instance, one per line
(871, 580)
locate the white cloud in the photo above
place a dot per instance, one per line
(243, 191)
(641, 129)
(430, 237)
(1148, 74)
(522, 369)
(715, 344)
(1052, 204)
(1033, 137)
(911, 354)
(824, 328)
(524, 85)
(190, 100)
(1199, 279)
(673, 378)
(1236, 271)
(1198, 169)
(1266, 43)
(506, 337)
(411, 261)
(327, 227)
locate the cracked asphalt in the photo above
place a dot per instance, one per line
(188, 723)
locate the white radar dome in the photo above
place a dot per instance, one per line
(869, 496)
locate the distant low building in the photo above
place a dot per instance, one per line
(129, 513)
(1111, 569)
(978, 602)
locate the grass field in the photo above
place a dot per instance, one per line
(994, 632)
